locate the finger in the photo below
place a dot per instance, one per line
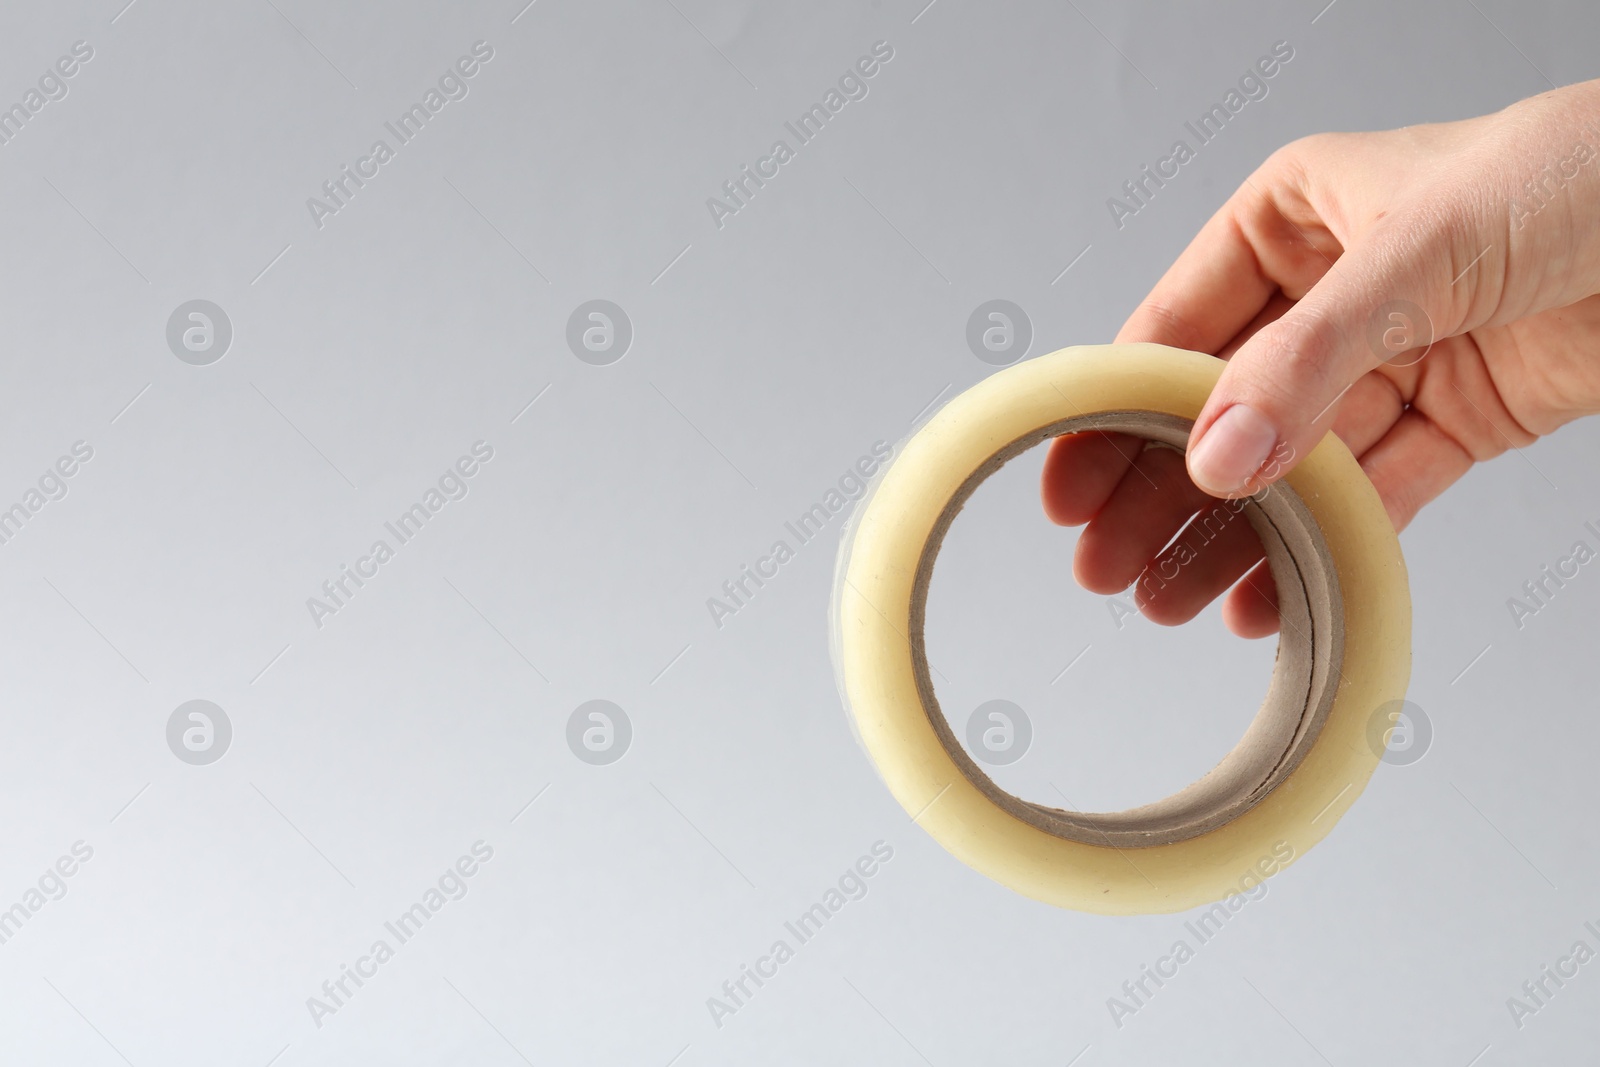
(1213, 552)
(1413, 464)
(1365, 413)
(1151, 503)
(1251, 607)
(1276, 305)
(1276, 395)
(1082, 469)
(1247, 252)
(1224, 282)
(1080, 472)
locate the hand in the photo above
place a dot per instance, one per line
(1490, 227)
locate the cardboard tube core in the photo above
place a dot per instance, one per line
(1304, 679)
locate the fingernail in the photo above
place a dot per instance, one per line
(1232, 450)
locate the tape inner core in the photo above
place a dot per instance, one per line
(1304, 678)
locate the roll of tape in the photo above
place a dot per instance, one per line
(1344, 648)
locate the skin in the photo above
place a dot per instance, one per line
(1285, 282)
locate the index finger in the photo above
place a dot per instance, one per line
(1260, 242)
(1231, 272)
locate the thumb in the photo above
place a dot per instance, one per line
(1277, 394)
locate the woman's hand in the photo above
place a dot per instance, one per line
(1322, 282)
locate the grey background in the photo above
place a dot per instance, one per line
(369, 754)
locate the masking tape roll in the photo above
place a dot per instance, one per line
(1344, 648)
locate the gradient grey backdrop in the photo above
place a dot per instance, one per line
(768, 355)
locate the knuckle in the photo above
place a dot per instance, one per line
(1158, 320)
(1295, 357)
(1291, 162)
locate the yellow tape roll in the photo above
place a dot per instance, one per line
(1344, 650)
